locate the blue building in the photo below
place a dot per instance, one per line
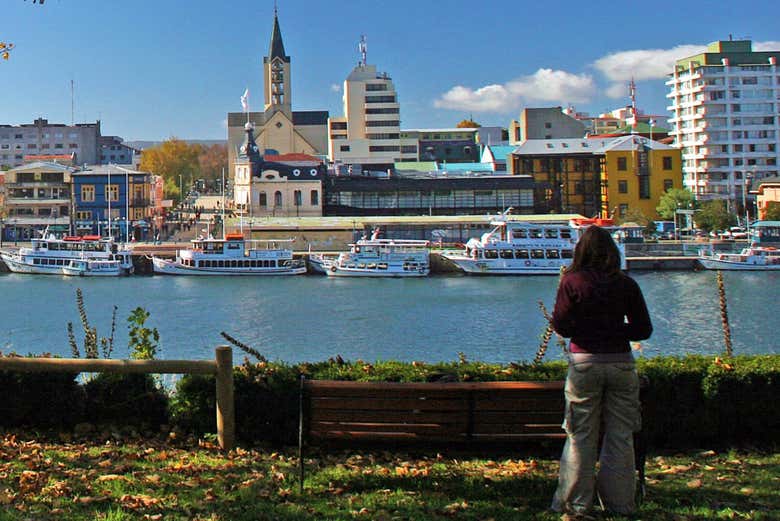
(112, 200)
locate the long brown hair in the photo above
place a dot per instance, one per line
(597, 251)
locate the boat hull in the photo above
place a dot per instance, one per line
(338, 271)
(715, 264)
(77, 272)
(505, 267)
(169, 267)
(17, 265)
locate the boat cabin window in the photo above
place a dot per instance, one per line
(234, 245)
(565, 233)
(551, 233)
(535, 233)
(521, 254)
(520, 234)
(567, 254)
(553, 254)
(507, 254)
(491, 254)
(537, 254)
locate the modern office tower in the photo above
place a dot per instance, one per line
(367, 137)
(725, 104)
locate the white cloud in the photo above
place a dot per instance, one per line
(766, 46)
(654, 64)
(617, 90)
(643, 64)
(335, 87)
(544, 85)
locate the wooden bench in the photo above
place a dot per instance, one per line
(458, 413)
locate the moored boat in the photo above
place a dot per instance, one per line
(232, 255)
(753, 258)
(375, 257)
(92, 268)
(516, 248)
(48, 255)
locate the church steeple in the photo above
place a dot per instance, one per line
(277, 72)
(276, 50)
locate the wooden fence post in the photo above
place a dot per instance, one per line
(226, 414)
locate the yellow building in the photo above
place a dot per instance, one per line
(610, 177)
(635, 173)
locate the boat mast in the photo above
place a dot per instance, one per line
(223, 202)
(108, 198)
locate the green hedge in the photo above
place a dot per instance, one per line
(693, 401)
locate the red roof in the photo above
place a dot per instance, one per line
(291, 157)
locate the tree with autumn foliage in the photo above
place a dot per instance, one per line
(7, 47)
(212, 160)
(468, 123)
(170, 159)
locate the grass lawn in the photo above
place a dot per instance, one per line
(121, 479)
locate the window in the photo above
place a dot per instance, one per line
(622, 164)
(622, 187)
(315, 198)
(278, 198)
(668, 185)
(667, 163)
(548, 125)
(344, 148)
(297, 198)
(88, 193)
(113, 192)
(644, 187)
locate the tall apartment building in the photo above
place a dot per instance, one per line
(44, 138)
(368, 136)
(725, 104)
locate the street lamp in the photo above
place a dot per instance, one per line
(745, 181)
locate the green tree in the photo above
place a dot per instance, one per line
(639, 217)
(672, 200)
(143, 341)
(170, 159)
(714, 216)
(772, 212)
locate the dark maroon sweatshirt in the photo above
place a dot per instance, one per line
(600, 313)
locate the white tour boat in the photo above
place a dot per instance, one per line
(92, 268)
(232, 255)
(517, 248)
(753, 258)
(377, 257)
(49, 255)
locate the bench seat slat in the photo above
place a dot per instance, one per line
(334, 386)
(390, 416)
(418, 428)
(382, 404)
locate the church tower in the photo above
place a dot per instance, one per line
(276, 72)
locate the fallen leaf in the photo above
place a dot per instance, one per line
(694, 483)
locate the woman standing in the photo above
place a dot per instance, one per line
(601, 310)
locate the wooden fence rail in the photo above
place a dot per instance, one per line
(221, 366)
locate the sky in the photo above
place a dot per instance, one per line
(150, 69)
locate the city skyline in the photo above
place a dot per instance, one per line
(151, 71)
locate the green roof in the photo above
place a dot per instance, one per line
(416, 166)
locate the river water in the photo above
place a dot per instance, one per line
(312, 318)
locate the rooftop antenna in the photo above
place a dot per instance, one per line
(363, 48)
(632, 91)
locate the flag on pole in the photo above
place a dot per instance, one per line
(245, 100)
